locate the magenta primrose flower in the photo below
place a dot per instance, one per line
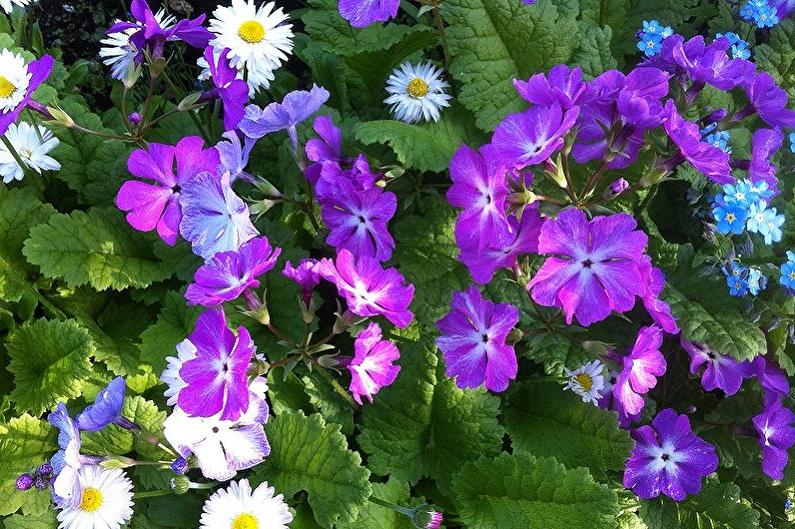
(228, 274)
(640, 371)
(722, 371)
(37, 73)
(712, 161)
(562, 85)
(156, 205)
(668, 458)
(372, 366)
(326, 148)
(765, 144)
(776, 436)
(659, 310)
(216, 379)
(532, 136)
(305, 275)
(232, 92)
(473, 341)
(362, 13)
(368, 289)
(594, 267)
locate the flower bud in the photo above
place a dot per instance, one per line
(60, 117)
(40, 482)
(425, 517)
(616, 188)
(134, 118)
(44, 469)
(24, 482)
(179, 466)
(180, 484)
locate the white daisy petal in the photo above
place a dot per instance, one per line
(105, 500)
(8, 5)
(586, 381)
(240, 507)
(416, 92)
(32, 146)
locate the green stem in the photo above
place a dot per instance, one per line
(151, 494)
(389, 505)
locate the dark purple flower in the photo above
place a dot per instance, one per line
(357, 220)
(773, 380)
(592, 141)
(712, 161)
(770, 101)
(156, 205)
(659, 310)
(668, 458)
(563, 86)
(228, 274)
(639, 100)
(776, 437)
(372, 366)
(722, 371)
(179, 466)
(45, 469)
(368, 289)
(480, 189)
(326, 148)
(640, 370)
(305, 275)
(483, 262)
(704, 63)
(38, 70)
(362, 13)
(154, 31)
(531, 137)
(216, 379)
(106, 409)
(473, 338)
(295, 108)
(593, 268)
(24, 482)
(232, 92)
(766, 143)
(134, 118)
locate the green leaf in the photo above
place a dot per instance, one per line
(594, 55)
(545, 421)
(308, 454)
(520, 491)
(49, 360)
(328, 402)
(25, 443)
(44, 520)
(425, 147)
(718, 506)
(114, 440)
(375, 516)
(490, 42)
(20, 210)
(777, 56)
(95, 247)
(174, 323)
(423, 425)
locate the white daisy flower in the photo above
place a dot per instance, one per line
(586, 381)
(32, 146)
(170, 376)
(416, 92)
(238, 507)
(14, 80)
(258, 38)
(119, 52)
(8, 5)
(105, 500)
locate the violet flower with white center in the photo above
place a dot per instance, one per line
(640, 370)
(775, 426)
(473, 341)
(372, 366)
(668, 458)
(229, 274)
(216, 380)
(368, 289)
(722, 371)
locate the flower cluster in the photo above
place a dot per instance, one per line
(761, 13)
(651, 36)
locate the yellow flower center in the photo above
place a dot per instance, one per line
(6, 87)
(91, 500)
(792, 275)
(730, 217)
(585, 381)
(245, 521)
(417, 88)
(251, 31)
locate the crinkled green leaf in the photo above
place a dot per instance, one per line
(374, 516)
(545, 421)
(49, 360)
(777, 55)
(95, 247)
(519, 491)
(173, 325)
(593, 55)
(423, 425)
(493, 42)
(114, 440)
(43, 520)
(25, 443)
(328, 402)
(308, 454)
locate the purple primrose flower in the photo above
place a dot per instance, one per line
(722, 371)
(372, 366)
(294, 109)
(640, 370)
(776, 436)
(362, 13)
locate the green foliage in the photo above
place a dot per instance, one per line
(49, 360)
(489, 41)
(114, 440)
(777, 55)
(520, 491)
(545, 421)
(25, 442)
(309, 454)
(594, 56)
(174, 323)
(423, 425)
(374, 515)
(96, 248)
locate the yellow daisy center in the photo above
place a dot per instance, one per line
(251, 31)
(730, 217)
(245, 521)
(91, 500)
(792, 275)
(6, 87)
(585, 381)
(417, 88)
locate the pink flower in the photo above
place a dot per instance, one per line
(640, 370)
(371, 368)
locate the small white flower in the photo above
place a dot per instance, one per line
(238, 507)
(119, 52)
(8, 5)
(32, 146)
(105, 500)
(586, 381)
(14, 80)
(416, 92)
(170, 376)
(258, 39)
